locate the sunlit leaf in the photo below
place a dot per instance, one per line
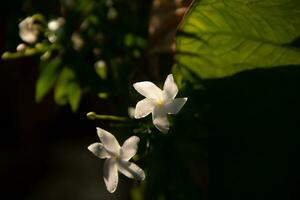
(47, 78)
(221, 38)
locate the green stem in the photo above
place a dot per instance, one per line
(93, 116)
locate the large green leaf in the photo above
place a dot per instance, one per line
(47, 78)
(220, 38)
(67, 90)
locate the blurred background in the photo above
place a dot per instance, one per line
(242, 144)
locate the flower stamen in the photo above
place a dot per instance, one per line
(159, 102)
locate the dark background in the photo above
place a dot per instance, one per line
(250, 137)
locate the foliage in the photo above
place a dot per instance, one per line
(103, 48)
(92, 31)
(222, 38)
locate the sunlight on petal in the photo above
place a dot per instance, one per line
(99, 150)
(109, 142)
(143, 108)
(170, 88)
(148, 89)
(175, 106)
(110, 174)
(131, 170)
(160, 119)
(129, 148)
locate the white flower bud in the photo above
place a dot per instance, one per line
(28, 31)
(21, 47)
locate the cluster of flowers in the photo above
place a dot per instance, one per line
(31, 28)
(34, 28)
(158, 102)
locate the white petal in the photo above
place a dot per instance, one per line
(21, 47)
(170, 88)
(131, 112)
(143, 108)
(148, 89)
(131, 170)
(160, 119)
(98, 150)
(110, 174)
(109, 142)
(28, 37)
(129, 148)
(175, 106)
(28, 31)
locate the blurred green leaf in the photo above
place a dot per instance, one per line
(221, 38)
(137, 192)
(101, 69)
(134, 40)
(103, 95)
(129, 40)
(67, 89)
(47, 78)
(75, 94)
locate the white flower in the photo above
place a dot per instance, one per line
(55, 24)
(21, 47)
(77, 41)
(100, 64)
(101, 68)
(55, 28)
(117, 158)
(158, 102)
(28, 31)
(131, 112)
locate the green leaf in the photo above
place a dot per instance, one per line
(221, 38)
(47, 78)
(67, 89)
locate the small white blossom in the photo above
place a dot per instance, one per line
(28, 30)
(117, 158)
(77, 41)
(131, 112)
(100, 64)
(158, 102)
(55, 24)
(21, 47)
(101, 68)
(55, 29)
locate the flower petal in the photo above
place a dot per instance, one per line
(175, 106)
(28, 31)
(131, 170)
(170, 88)
(160, 119)
(28, 37)
(129, 148)
(109, 142)
(148, 89)
(110, 174)
(98, 150)
(143, 108)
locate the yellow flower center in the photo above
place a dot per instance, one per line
(159, 102)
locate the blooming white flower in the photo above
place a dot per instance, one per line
(55, 28)
(158, 102)
(28, 31)
(55, 24)
(117, 158)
